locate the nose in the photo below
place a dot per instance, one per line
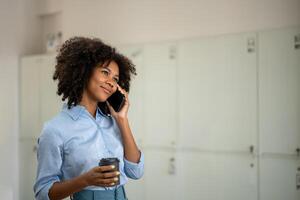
(109, 81)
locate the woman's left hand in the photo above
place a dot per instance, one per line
(122, 114)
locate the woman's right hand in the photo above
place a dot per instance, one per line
(103, 176)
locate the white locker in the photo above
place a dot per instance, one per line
(217, 93)
(38, 99)
(38, 103)
(279, 102)
(6, 192)
(197, 108)
(50, 102)
(216, 176)
(30, 123)
(135, 189)
(161, 181)
(279, 91)
(136, 93)
(278, 178)
(27, 168)
(160, 94)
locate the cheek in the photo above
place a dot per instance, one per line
(96, 90)
(94, 86)
(96, 81)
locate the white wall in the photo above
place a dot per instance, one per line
(139, 21)
(20, 33)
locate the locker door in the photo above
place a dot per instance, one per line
(50, 102)
(160, 94)
(279, 91)
(160, 175)
(136, 188)
(278, 178)
(279, 100)
(30, 124)
(6, 192)
(216, 176)
(136, 93)
(27, 168)
(218, 117)
(217, 93)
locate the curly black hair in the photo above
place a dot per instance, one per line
(76, 61)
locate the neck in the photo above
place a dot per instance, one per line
(89, 103)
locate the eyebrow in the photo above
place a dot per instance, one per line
(110, 71)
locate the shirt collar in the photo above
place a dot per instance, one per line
(101, 113)
(76, 111)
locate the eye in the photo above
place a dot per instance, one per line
(116, 80)
(104, 72)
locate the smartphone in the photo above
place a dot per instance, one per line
(116, 100)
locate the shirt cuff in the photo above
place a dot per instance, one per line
(43, 194)
(133, 164)
(135, 170)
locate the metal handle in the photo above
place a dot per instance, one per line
(251, 149)
(297, 41)
(298, 152)
(172, 52)
(298, 181)
(171, 168)
(251, 45)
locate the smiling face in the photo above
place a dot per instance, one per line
(103, 81)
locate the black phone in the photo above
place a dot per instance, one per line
(116, 100)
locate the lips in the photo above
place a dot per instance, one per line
(106, 90)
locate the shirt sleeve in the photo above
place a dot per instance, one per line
(134, 170)
(49, 157)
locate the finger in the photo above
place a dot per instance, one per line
(125, 93)
(111, 109)
(108, 180)
(119, 87)
(122, 90)
(110, 174)
(105, 168)
(107, 185)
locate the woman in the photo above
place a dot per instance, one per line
(88, 128)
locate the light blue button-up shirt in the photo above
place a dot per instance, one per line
(73, 142)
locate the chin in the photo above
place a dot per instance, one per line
(102, 98)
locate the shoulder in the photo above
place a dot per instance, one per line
(53, 129)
